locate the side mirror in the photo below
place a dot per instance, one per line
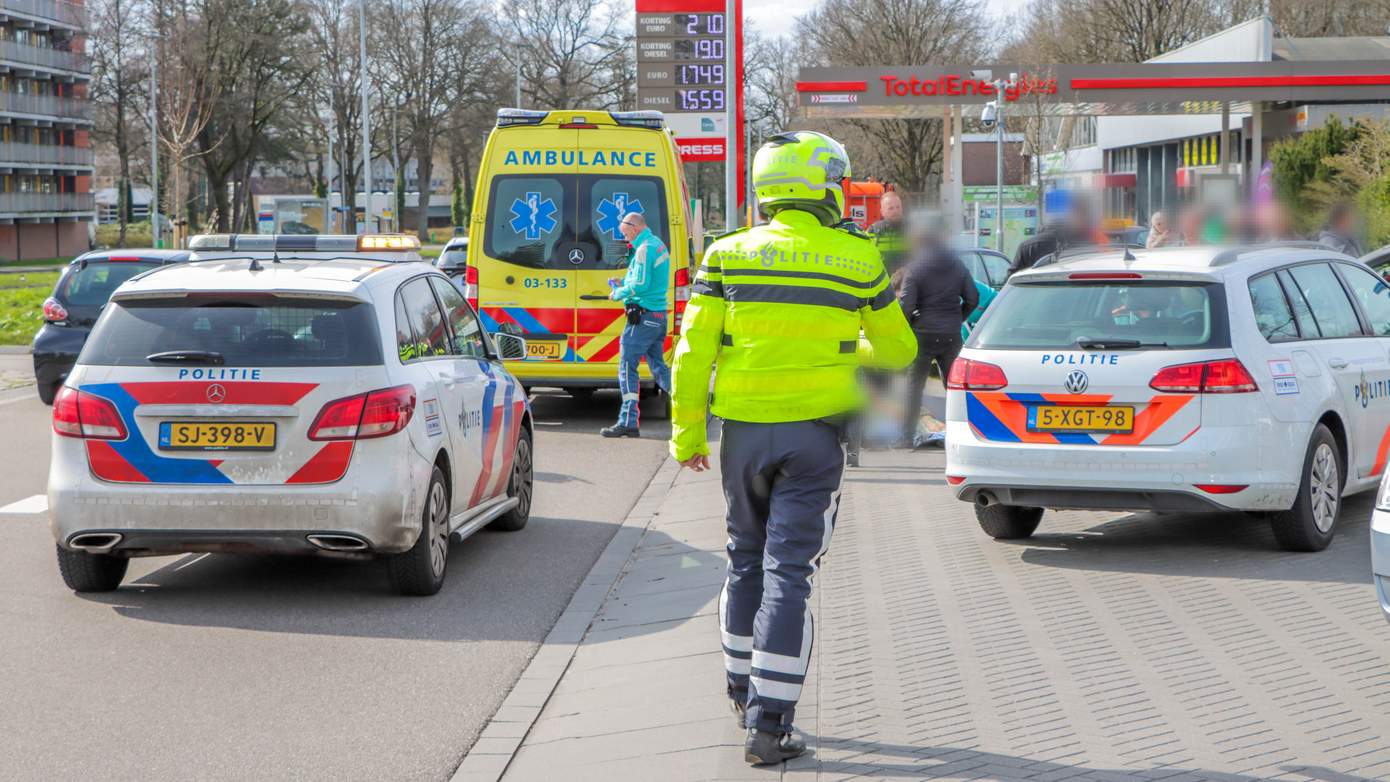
(510, 347)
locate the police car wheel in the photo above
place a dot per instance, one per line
(87, 572)
(419, 572)
(1311, 522)
(1008, 522)
(519, 485)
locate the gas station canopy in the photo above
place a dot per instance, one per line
(1105, 89)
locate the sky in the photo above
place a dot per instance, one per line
(772, 17)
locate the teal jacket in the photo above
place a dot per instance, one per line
(987, 295)
(648, 274)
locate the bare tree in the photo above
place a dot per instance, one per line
(336, 83)
(566, 51)
(187, 96)
(770, 65)
(118, 77)
(1056, 31)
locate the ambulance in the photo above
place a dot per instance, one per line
(544, 243)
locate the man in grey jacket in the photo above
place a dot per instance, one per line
(937, 294)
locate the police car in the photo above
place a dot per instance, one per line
(1183, 379)
(348, 407)
(401, 248)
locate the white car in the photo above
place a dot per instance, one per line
(1182, 379)
(1380, 549)
(347, 407)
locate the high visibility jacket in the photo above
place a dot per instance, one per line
(783, 314)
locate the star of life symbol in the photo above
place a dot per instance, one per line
(533, 216)
(611, 212)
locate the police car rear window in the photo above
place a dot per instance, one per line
(235, 332)
(1114, 314)
(568, 221)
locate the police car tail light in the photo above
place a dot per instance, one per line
(53, 312)
(364, 416)
(76, 414)
(969, 375)
(1223, 376)
(470, 285)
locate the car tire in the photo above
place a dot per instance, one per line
(84, 571)
(520, 484)
(48, 392)
(1312, 521)
(1008, 522)
(419, 572)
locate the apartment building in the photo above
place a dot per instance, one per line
(46, 201)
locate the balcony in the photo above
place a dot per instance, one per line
(46, 57)
(68, 14)
(44, 154)
(20, 204)
(74, 109)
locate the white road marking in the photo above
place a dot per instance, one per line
(31, 505)
(24, 398)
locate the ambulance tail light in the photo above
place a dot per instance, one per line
(76, 414)
(470, 285)
(1222, 376)
(507, 117)
(365, 416)
(639, 119)
(682, 297)
(970, 375)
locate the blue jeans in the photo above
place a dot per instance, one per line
(645, 339)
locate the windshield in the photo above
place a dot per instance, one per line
(92, 286)
(450, 259)
(541, 221)
(1105, 315)
(236, 332)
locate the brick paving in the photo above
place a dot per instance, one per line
(1107, 647)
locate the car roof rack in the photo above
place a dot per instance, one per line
(1084, 249)
(1233, 254)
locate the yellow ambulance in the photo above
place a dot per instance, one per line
(553, 187)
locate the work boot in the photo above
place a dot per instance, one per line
(763, 747)
(620, 431)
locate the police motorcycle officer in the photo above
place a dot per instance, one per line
(788, 312)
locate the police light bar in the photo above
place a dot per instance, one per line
(402, 242)
(639, 119)
(507, 117)
(211, 242)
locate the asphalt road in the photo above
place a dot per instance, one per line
(237, 667)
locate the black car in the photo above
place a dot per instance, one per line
(78, 298)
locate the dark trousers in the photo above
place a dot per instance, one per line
(782, 485)
(939, 348)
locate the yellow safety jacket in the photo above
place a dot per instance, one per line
(788, 312)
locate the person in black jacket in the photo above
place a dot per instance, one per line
(937, 294)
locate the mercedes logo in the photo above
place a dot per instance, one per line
(576, 256)
(216, 393)
(1077, 382)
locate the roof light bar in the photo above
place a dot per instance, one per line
(506, 117)
(402, 242)
(639, 119)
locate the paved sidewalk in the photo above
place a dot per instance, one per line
(1108, 647)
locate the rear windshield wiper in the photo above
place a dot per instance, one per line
(1117, 344)
(191, 356)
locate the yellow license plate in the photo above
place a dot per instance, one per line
(190, 436)
(1081, 418)
(549, 350)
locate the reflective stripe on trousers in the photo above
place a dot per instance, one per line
(782, 485)
(646, 339)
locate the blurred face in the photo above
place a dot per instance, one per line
(631, 226)
(891, 207)
(1159, 223)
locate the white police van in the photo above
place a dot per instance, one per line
(346, 407)
(1182, 379)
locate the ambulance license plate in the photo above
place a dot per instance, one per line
(1080, 418)
(548, 351)
(197, 436)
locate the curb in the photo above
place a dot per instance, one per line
(489, 757)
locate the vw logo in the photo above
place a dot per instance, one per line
(216, 393)
(576, 256)
(1077, 382)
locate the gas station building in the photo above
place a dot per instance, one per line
(1147, 135)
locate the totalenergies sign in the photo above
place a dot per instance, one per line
(955, 85)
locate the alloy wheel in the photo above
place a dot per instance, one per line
(521, 478)
(1324, 487)
(439, 528)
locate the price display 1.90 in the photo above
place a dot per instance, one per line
(699, 74)
(699, 48)
(700, 100)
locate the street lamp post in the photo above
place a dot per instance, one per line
(999, 86)
(731, 134)
(154, 146)
(366, 118)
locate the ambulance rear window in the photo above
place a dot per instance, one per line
(531, 216)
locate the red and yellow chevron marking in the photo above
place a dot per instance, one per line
(601, 348)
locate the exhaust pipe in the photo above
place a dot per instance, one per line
(338, 542)
(95, 542)
(985, 499)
